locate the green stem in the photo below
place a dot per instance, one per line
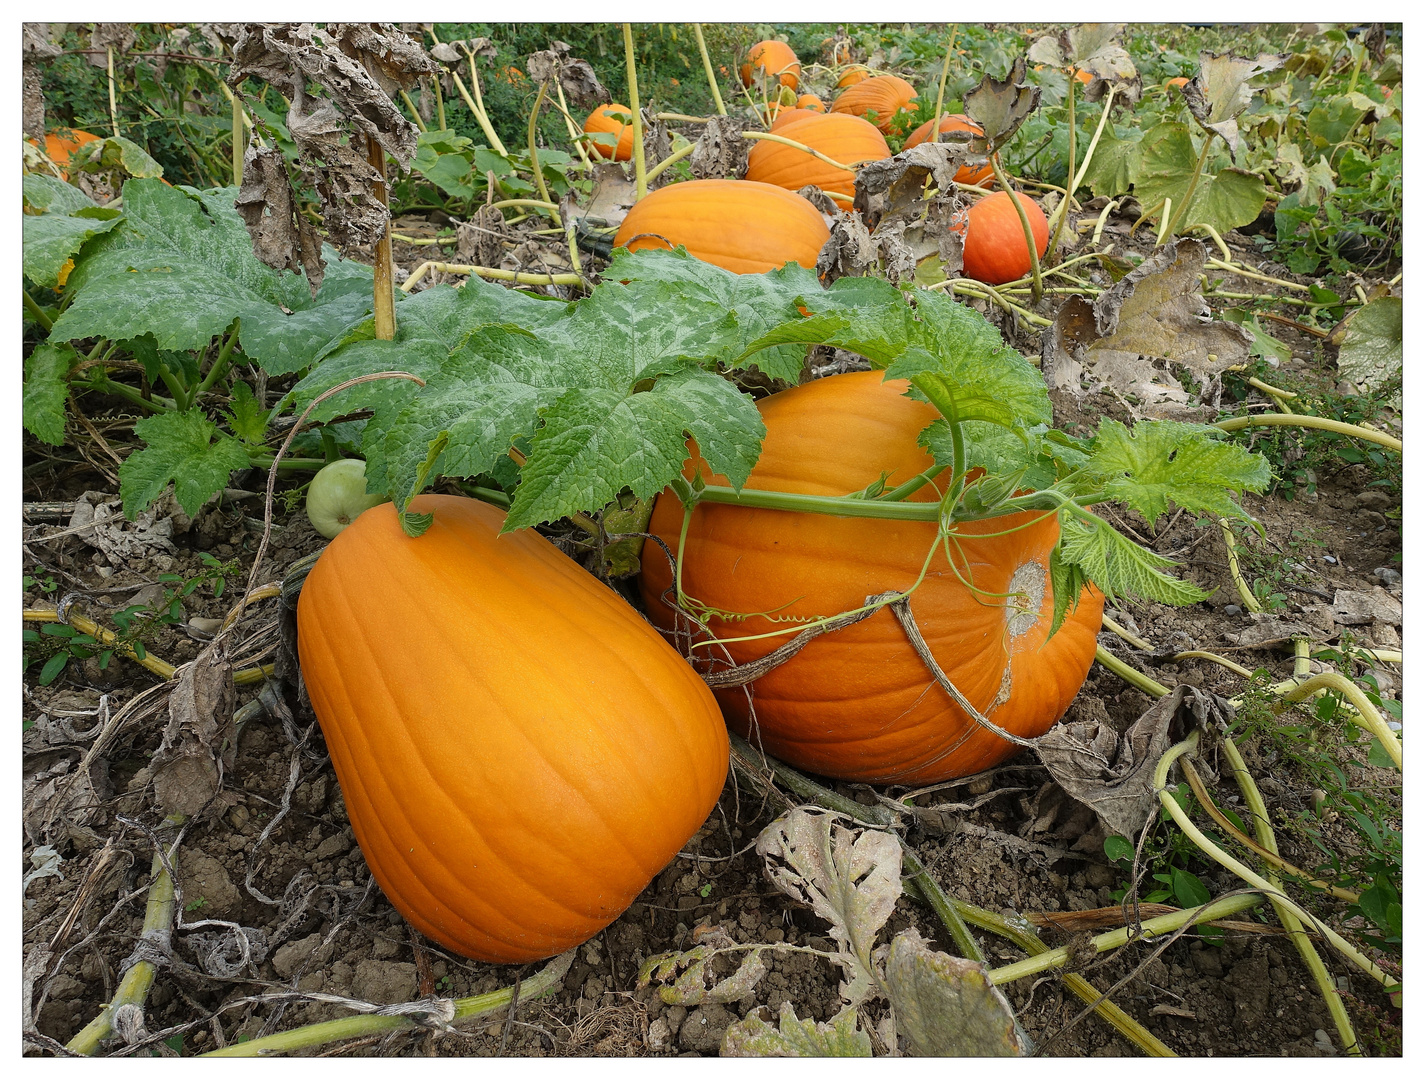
(534, 153)
(640, 164)
(352, 1027)
(943, 905)
(439, 102)
(911, 486)
(134, 986)
(485, 494)
(672, 159)
(1129, 674)
(415, 113)
(264, 461)
(708, 68)
(1237, 423)
(1061, 212)
(237, 141)
(36, 312)
(1038, 289)
(944, 75)
(220, 365)
(1192, 186)
(1115, 939)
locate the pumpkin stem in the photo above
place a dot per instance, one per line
(640, 165)
(708, 69)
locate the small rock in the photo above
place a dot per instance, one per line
(660, 1039)
(384, 982)
(332, 845)
(704, 1028)
(674, 1016)
(294, 954)
(1323, 1042)
(1386, 576)
(1331, 559)
(1373, 500)
(1232, 609)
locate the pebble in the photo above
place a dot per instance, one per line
(1386, 576)
(1232, 609)
(1329, 559)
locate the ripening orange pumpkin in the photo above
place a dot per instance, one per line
(852, 75)
(995, 251)
(847, 139)
(968, 174)
(518, 751)
(884, 95)
(606, 118)
(777, 59)
(812, 102)
(858, 703)
(1083, 76)
(62, 142)
(740, 225)
(790, 116)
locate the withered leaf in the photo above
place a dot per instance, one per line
(850, 252)
(838, 1037)
(945, 1005)
(820, 199)
(721, 151)
(282, 236)
(851, 879)
(190, 762)
(1220, 91)
(579, 81)
(902, 178)
(1113, 775)
(999, 107)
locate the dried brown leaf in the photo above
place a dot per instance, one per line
(282, 236)
(721, 151)
(1221, 91)
(999, 107)
(197, 746)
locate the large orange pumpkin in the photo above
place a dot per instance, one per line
(968, 174)
(740, 225)
(857, 703)
(606, 118)
(790, 116)
(847, 139)
(884, 95)
(62, 142)
(995, 251)
(777, 59)
(518, 751)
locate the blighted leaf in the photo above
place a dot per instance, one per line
(1166, 164)
(1000, 106)
(1153, 314)
(849, 877)
(282, 236)
(946, 1006)
(1373, 350)
(1221, 91)
(721, 151)
(839, 1037)
(1113, 775)
(181, 449)
(197, 746)
(684, 978)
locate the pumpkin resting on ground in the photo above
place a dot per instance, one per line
(885, 95)
(777, 59)
(519, 752)
(857, 703)
(607, 118)
(740, 225)
(847, 139)
(995, 251)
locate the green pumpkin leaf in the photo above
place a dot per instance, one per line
(1167, 161)
(47, 389)
(184, 448)
(1188, 465)
(1118, 566)
(1113, 170)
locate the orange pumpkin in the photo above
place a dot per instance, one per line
(995, 251)
(858, 703)
(1084, 77)
(852, 75)
(884, 95)
(968, 174)
(605, 118)
(62, 142)
(518, 751)
(740, 225)
(777, 59)
(1179, 81)
(812, 102)
(790, 116)
(847, 139)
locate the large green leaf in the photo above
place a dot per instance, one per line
(1118, 566)
(1113, 169)
(1167, 161)
(51, 240)
(46, 388)
(184, 448)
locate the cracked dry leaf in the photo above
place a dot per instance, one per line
(721, 151)
(849, 252)
(197, 747)
(1114, 776)
(1221, 91)
(839, 1037)
(692, 983)
(901, 179)
(999, 107)
(282, 236)
(35, 45)
(851, 879)
(1154, 314)
(944, 1005)
(1074, 45)
(1372, 348)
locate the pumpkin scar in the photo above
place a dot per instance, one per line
(1029, 581)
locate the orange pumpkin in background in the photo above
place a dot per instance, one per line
(995, 251)
(968, 174)
(884, 95)
(605, 119)
(843, 138)
(777, 59)
(858, 703)
(518, 751)
(740, 225)
(812, 102)
(62, 142)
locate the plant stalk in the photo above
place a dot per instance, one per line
(237, 141)
(1061, 212)
(1037, 290)
(1192, 184)
(113, 102)
(36, 312)
(708, 69)
(640, 165)
(383, 293)
(1237, 423)
(534, 154)
(415, 113)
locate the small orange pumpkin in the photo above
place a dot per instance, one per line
(518, 751)
(968, 174)
(995, 251)
(812, 102)
(1084, 77)
(858, 703)
(885, 95)
(62, 142)
(605, 119)
(852, 75)
(1179, 81)
(847, 139)
(777, 59)
(740, 225)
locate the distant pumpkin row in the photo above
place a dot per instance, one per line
(757, 224)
